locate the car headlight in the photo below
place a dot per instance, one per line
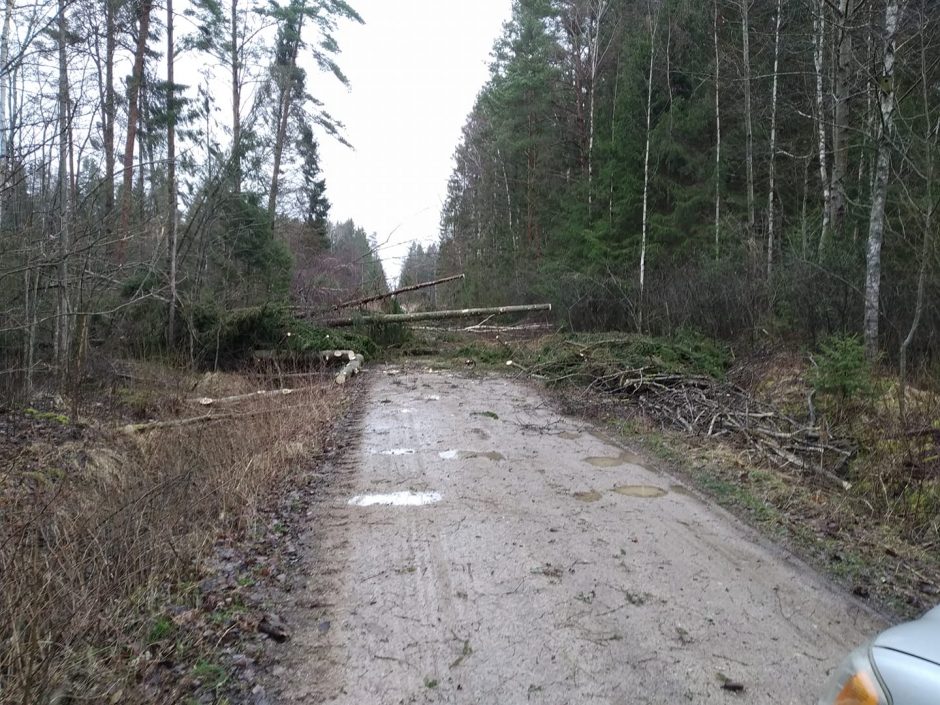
(855, 682)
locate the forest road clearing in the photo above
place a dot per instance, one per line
(529, 560)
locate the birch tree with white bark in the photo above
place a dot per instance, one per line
(879, 196)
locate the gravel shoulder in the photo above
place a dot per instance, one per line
(528, 558)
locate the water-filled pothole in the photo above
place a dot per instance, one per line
(454, 454)
(396, 499)
(590, 496)
(395, 451)
(644, 491)
(606, 461)
(683, 490)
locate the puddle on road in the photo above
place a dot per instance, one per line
(683, 490)
(480, 433)
(433, 397)
(396, 499)
(454, 454)
(395, 451)
(569, 435)
(644, 491)
(606, 461)
(592, 496)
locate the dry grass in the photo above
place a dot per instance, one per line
(97, 528)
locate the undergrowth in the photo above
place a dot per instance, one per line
(99, 529)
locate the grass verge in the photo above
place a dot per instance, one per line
(101, 531)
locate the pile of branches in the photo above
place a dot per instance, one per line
(703, 405)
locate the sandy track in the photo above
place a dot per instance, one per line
(532, 580)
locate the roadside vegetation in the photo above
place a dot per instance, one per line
(106, 532)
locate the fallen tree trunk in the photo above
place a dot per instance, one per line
(508, 329)
(205, 418)
(432, 315)
(378, 297)
(208, 401)
(351, 369)
(308, 356)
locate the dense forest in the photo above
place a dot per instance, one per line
(752, 170)
(131, 202)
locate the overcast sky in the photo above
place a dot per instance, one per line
(415, 68)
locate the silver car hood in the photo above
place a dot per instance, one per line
(920, 638)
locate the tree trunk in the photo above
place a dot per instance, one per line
(4, 82)
(432, 315)
(32, 322)
(717, 136)
(285, 100)
(173, 223)
(919, 300)
(930, 143)
(109, 116)
(748, 123)
(613, 136)
(502, 164)
(646, 170)
(840, 125)
(63, 314)
(876, 221)
(772, 164)
(236, 102)
(804, 244)
(599, 10)
(387, 295)
(133, 114)
(819, 38)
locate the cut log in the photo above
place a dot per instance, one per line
(378, 297)
(351, 369)
(432, 315)
(338, 355)
(309, 357)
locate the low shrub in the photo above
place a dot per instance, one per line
(841, 371)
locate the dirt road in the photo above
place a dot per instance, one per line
(526, 559)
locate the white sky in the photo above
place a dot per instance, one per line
(415, 69)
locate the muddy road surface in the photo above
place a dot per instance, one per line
(474, 546)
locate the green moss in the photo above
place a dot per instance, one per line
(48, 416)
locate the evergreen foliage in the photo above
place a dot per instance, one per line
(546, 196)
(841, 369)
